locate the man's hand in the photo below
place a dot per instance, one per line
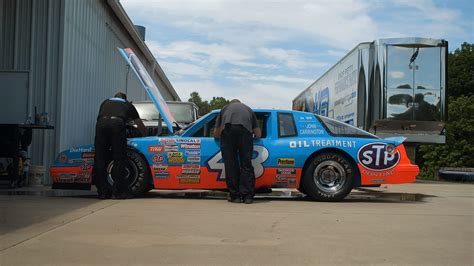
(257, 132)
(217, 132)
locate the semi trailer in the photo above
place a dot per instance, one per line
(389, 87)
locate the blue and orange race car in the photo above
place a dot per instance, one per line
(319, 156)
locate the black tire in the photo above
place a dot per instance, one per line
(329, 177)
(138, 174)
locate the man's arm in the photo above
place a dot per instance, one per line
(217, 132)
(141, 126)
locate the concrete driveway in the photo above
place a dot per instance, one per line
(418, 224)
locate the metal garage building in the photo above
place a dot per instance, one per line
(60, 56)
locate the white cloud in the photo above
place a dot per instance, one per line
(183, 69)
(396, 74)
(291, 58)
(248, 76)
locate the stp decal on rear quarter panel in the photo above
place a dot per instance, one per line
(374, 157)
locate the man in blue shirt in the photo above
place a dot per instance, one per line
(111, 143)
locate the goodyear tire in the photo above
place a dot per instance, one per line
(328, 177)
(137, 173)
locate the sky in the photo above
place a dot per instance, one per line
(266, 52)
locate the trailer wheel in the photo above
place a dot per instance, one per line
(328, 177)
(137, 173)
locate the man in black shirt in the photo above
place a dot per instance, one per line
(111, 142)
(234, 125)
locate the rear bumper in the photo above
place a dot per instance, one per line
(404, 173)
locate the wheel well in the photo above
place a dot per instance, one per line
(150, 177)
(356, 182)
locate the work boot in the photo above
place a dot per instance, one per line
(234, 198)
(248, 200)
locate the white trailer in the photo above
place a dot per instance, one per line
(390, 87)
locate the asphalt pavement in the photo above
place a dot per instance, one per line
(425, 223)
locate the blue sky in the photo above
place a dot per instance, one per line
(266, 52)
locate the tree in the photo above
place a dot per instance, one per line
(218, 103)
(204, 107)
(459, 148)
(461, 71)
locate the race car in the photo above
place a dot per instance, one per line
(319, 156)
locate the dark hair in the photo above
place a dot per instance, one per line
(121, 95)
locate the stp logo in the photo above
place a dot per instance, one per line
(158, 158)
(374, 157)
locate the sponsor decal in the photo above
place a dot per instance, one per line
(86, 167)
(62, 158)
(189, 180)
(194, 159)
(90, 149)
(155, 149)
(170, 148)
(160, 167)
(191, 166)
(291, 182)
(286, 171)
(281, 178)
(192, 152)
(322, 143)
(175, 157)
(161, 174)
(169, 141)
(189, 141)
(286, 161)
(191, 171)
(190, 146)
(188, 176)
(88, 155)
(67, 177)
(280, 184)
(158, 158)
(373, 157)
(377, 174)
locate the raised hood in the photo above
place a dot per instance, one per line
(149, 86)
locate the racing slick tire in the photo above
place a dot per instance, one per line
(137, 174)
(328, 177)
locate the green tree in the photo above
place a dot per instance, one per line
(459, 148)
(218, 103)
(461, 71)
(204, 106)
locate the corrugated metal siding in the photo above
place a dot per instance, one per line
(69, 49)
(44, 75)
(15, 32)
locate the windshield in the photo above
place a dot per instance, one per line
(337, 128)
(184, 113)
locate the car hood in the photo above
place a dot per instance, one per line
(149, 86)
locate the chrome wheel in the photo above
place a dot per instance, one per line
(131, 173)
(329, 176)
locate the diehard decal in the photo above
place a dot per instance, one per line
(373, 156)
(286, 161)
(80, 150)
